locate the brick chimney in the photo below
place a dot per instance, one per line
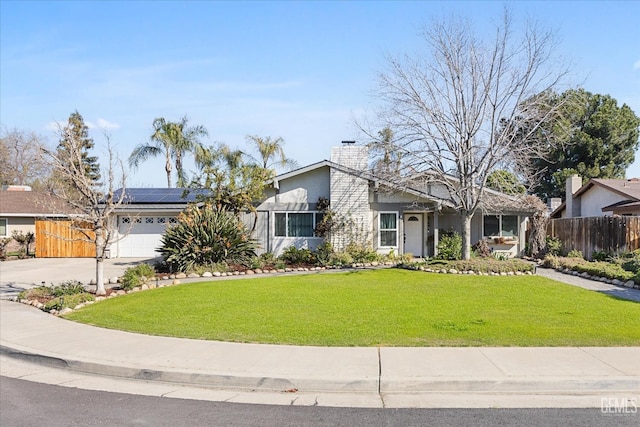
(574, 182)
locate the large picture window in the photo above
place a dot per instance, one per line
(388, 229)
(298, 224)
(501, 226)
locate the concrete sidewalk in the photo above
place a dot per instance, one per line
(390, 377)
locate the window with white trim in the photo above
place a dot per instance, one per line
(296, 224)
(388, 229)
(500, 226)
(3, 227)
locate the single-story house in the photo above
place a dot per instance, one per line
(370, 211)
(20, 208)
(599, 197)
(374, 211)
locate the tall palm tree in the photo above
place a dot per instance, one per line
(186, 139)
(173, 139)
(271, 152)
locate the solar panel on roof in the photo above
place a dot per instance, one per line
(160, 195)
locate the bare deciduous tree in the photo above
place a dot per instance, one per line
(457, 113)
(93, 203)
(21, 162)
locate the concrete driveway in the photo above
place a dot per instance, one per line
(18, 275)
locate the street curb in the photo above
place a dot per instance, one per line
(195, 379)
(554, 386)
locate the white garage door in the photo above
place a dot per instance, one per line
(142, 235)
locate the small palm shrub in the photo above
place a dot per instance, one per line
(450, 246)
(206, 235)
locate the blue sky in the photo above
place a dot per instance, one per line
(299, 70)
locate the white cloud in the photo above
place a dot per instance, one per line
(102, 124)
(105, 124)
(55, 126)
(636, 65)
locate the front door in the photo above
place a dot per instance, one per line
(413, 234)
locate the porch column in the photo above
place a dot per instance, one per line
(435, 232)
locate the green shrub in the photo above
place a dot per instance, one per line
(295, 256)
(40, 292)
(485, 265)
(551, 261)
(632, 265)
(553, 245)
(604, 269)
(450, 246)
(219, 266)
(69, 301)
(205, 235)
(574, 253)
(341, 258)
(324, 252)
(361, 253)
(594, 268)
(136, 276)
(601, 256)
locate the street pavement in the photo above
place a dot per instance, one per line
(40, 347)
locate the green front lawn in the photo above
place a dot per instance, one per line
(377, 308)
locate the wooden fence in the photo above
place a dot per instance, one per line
(64, 239)
(593, 234)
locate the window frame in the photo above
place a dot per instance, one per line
(396, 229)
(6, 227)
(317, 217)
(500, 227)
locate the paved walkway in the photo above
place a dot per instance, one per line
(65, 352)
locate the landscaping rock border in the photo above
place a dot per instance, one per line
(164, 280)
(616, 282)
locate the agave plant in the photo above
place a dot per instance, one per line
(206, 235)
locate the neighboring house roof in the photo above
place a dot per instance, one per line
(627, 188)
(32, 204)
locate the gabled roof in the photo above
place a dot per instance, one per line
(32, 204)
(627, 188)
(415, 188)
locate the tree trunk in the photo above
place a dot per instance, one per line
(100, 277)
(466, 235)
(100, 247)
(167, 168)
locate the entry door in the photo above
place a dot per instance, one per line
(413, 234)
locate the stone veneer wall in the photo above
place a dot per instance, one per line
(349, 197)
